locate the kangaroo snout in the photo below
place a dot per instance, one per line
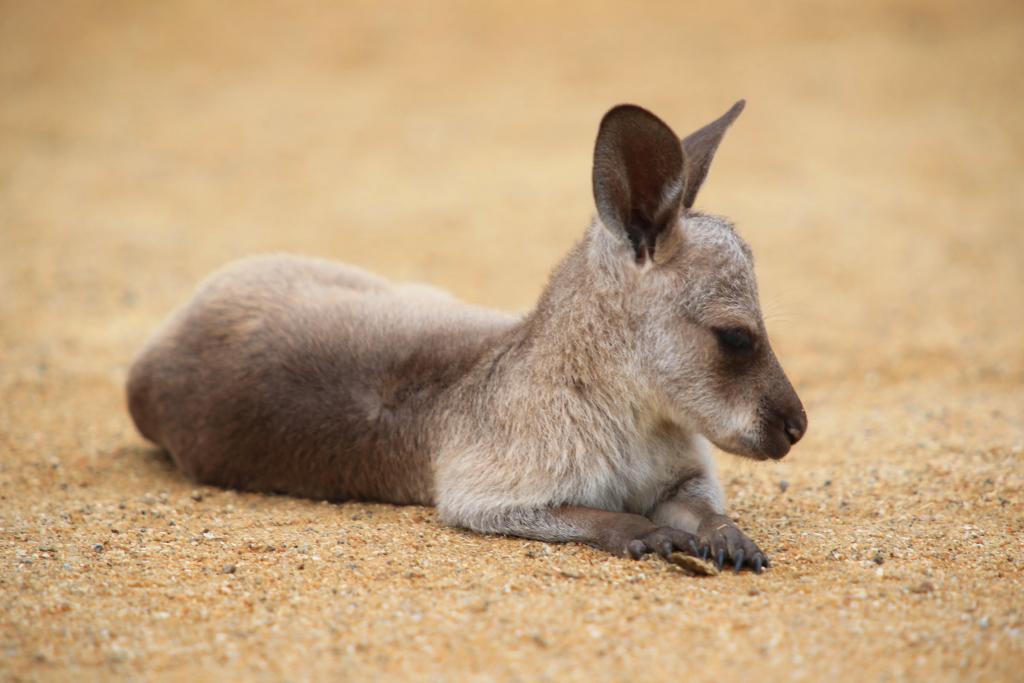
(787, 425)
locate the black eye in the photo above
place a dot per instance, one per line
(734, 338)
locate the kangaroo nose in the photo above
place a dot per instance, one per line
(796, 426)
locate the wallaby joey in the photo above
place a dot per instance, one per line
(586, 420)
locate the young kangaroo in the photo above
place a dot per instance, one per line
(586, 420)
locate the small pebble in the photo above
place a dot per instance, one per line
(878, 558)
(923, 587)
(228, 569)
(783, 485)
(98, 547)
(693, 565)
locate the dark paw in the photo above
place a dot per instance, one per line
(719, 540)
(663, 541)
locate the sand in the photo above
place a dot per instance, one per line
(877, 174)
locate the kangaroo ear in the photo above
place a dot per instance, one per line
(639, 175)
(700, 147)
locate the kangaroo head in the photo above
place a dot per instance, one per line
(688, 287)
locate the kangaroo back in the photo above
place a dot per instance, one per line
(303, 377)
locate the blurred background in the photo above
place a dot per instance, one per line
(877, 172)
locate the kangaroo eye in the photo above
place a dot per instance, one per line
(734, 338)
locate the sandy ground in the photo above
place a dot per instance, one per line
(877, 173)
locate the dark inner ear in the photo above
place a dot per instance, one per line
(638, 176)
(700, 147)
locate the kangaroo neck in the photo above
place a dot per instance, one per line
(574, 344)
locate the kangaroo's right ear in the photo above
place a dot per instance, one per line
(639, 177)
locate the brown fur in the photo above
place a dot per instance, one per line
(584, 420)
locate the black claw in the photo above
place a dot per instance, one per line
(720, 559)
(739, 561)
(757, 564)
(636, 548)
(704, 553)
(767, 563)
(666, 548)
(693, 548)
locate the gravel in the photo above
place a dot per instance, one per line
(874, 173)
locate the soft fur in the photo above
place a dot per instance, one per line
(586, 420)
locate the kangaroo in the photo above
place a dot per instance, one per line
(587, 419)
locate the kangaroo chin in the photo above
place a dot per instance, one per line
(586, 420)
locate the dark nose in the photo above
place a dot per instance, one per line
(796, 426)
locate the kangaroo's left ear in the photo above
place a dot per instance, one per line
(700, 147)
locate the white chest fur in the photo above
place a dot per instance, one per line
(615, 470)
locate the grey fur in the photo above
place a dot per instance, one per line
(581, 421)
